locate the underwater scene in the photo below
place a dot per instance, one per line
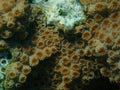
(59, 44)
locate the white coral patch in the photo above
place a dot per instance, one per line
(65, 12)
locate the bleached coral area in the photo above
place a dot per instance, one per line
(65, 12)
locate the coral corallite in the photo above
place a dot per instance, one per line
(33, 61)
(22, 78)
(40, 54)
(26, 69)
(12, 74)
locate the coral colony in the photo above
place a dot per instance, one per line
(80, 37)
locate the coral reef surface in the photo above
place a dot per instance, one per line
(59, 45)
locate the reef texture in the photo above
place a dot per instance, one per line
(90, 50)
